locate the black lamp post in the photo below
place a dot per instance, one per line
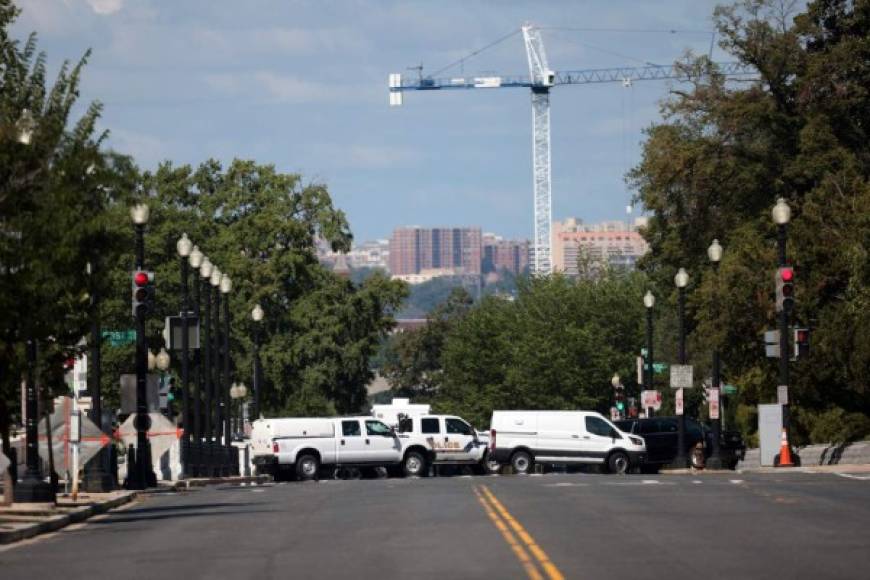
(205, 271)
(142, 475)
(257, 315)
(781, 216)
(217, 430)
(226, 287)
(195, 460)
(714, 252)
(184, 247)
(649, 301)
(681, 280)
(32, 488)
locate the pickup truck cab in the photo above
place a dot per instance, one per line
(304, 445)
(440, 440)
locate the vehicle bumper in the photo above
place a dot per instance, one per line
(265, 464)
(636, 458)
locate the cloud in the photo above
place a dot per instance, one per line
(105, 6)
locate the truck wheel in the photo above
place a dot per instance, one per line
(307, 467)
(521, 461)
(414, 464)
(491, 466)
(618, 463)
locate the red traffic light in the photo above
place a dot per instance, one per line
(140, 278)
(787, 274)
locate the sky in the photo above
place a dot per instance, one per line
(303, 85)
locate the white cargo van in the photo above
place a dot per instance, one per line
(522, 438)
(305, 444)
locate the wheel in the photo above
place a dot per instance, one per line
(414, 464)
(618, 463)
(521, 461)
(307, 467)
(491, 466)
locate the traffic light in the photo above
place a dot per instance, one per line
(143, 292)
(801, 342)
(620, 400)
(784, 289)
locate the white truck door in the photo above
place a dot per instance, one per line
(351, 443)
(382, 445)
(597, 439)
(460, 441)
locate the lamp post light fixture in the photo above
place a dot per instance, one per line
(162, 360)
(714, 252)
(257, 315)
(141, 475)
(226, 286)
(26, 126)
(205, 271)
(185, 247)
(649, 301)
(681, 280)
(781, 214)
(216, 366)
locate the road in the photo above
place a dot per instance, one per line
(779, 525)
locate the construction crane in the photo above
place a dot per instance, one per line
(540, 80)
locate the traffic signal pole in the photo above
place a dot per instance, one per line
(783, 331)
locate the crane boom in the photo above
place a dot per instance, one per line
(540, 80)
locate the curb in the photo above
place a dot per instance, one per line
(62, 520)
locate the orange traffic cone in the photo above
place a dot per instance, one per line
(785, 452)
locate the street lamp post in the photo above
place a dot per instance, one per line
(184, 247)
(226, 286)
(218, 397)
(238, 392)
(681, 280)
(32, 488)
(649, 300)
(195, 258)
(205, 271)
(142, 475)
(257, 315)
(781, 216)
(714, 252)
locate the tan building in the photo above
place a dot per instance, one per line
(616, 243)
(500, 254)
(414, 250)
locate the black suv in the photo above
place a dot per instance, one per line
(660, 434)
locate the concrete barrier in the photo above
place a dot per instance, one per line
(857, 453)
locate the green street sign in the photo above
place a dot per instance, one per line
(659, 368)
(643, 352)
(729, 390)
(119, 337)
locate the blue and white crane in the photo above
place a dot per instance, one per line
(540, 80)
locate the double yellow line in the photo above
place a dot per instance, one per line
(526, 549)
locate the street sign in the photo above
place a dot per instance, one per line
(172, 332)
(713, 395)
(119, 337)
(651, 399)
(643, 352)
(659, 368)
(640, 370)
(681, 376)
(729, 390)
(782, 394)
(679, 402)
(771, 337)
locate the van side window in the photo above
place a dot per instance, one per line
(458, 427)
(429, 426)
(350, 429)
(405, 425)
(596, 426)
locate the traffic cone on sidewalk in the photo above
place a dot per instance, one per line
(785, 452)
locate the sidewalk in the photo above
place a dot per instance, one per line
(25, 520)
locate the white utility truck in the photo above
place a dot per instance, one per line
(303, 445)
(522, 438)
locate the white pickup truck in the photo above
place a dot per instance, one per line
(304, 445)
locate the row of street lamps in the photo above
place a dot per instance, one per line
(781, 214)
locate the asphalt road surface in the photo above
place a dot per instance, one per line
(779, 525)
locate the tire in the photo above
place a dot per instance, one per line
(618, 463)
(414, 464)
(490, 466)
(521, 462)
(307, 467)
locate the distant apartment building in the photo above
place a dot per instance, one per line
(372, 254)
(500, 254)
(414, 250)
(615, 243)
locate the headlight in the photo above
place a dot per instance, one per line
(636, 440)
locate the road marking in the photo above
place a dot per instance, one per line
(697, 481)
(549, 567)
(515, 546)
(650, 482)
(566, 484)
(853, 476)
(736, 481)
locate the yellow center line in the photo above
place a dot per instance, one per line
(549, 567)
(517, 548)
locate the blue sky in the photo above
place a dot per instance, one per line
(303, 85)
